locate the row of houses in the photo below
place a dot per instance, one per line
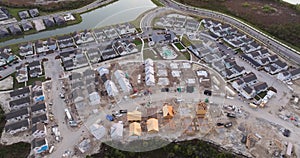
(178, 22)
(113, 32)
(254, 54)
(134, 118)
(37, 24)
(27, 109)
(28, 13)
(39, 47)
(32, 69)
(248, 86)
(84, 88)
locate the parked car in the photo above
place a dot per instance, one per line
(244, 139)
(207, 92)
(123, 111)
(286, 132)
(220, 124)
(228, 124)
(232, 115)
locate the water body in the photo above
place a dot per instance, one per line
(293, 1)
(118, 12)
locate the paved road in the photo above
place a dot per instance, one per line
(275, 45)
(90, 6)
(70, 136)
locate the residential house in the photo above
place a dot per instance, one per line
(21, 73)
(39, 130)
(6, 56)
(17, 127)
(49, 22)
(94, 55)
(26, 25)
(36, 86)
(94, 96)
(19, 103)
(126, 28)
(135, 129)
(276, 67)
(4, 14)
(34, 12)
(218, 65)
(108, 53)
(39, 108)
(264, 53)
(59, 20)
(116, 131)
(295, 74)
(238, 84)
(47, 46)
(152, 125)
(123, 81)
(20, 93)
(4, 32)
(39, 118)
(235, 71)
(77, 95)
(40, 145)
(254, 55)
(260, 87)
(247, 92)
(38, 96)
(111, 88)
(273, 58)
(111, 33)
(168, 111)
(15, 29)
(65, 41)
(83, 37)
(35, 68)
(26, 49)
(17, 115)
(133, 116)
(250, 79)
(75, 77)
(283, 76)
(264, 61)
(89, 73)
(24, 14)
(80, 60)
(250, 61)
(253, 46)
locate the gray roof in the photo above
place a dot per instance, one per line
(260, 86)
(38, 107)
(14, 114)
(77, 85)
(89, 72)
(17, 125)
(38, 126)
(19, 101)
(40, 118)
(34, 63)
(34, 12)
(38, 142)
(248, 89)
(249, 78)
(18, 92)
(280, 63)
(295, 72)
(75, 76)
(238, 68)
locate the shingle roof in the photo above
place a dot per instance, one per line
(17, 125)
(17, 113)
(18, 92)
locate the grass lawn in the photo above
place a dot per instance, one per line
(179, 45)
(262, 94)
(185, 41)
(183, 56)
(148, 53)
(32, 80)
(157, 2)
(137, 41)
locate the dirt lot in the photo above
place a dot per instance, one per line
(279, 19)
